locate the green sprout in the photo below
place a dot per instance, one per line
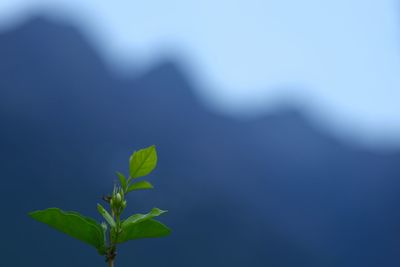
(106, 236)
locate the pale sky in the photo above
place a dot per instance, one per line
(339, 58)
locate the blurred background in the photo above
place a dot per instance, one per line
(277, 125)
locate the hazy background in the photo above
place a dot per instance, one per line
(277, 125)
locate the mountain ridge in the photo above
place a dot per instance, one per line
(47, 28)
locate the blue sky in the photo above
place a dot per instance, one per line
(339, 59)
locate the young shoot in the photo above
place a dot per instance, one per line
(106, 236)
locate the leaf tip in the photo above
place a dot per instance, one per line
(158, 211)
(100, 208)
(31, 213)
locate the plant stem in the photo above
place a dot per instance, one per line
(112, 243)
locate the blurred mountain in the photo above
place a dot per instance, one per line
(268, 191)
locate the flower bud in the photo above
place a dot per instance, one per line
(118, 198)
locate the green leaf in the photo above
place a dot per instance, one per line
(145, 229)
(140, 186)
(73, 224)
(143, 226)
(122, 180)
(142, 162)
(137, 218)
(106, 215)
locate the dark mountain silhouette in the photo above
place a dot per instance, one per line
(271, 191)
